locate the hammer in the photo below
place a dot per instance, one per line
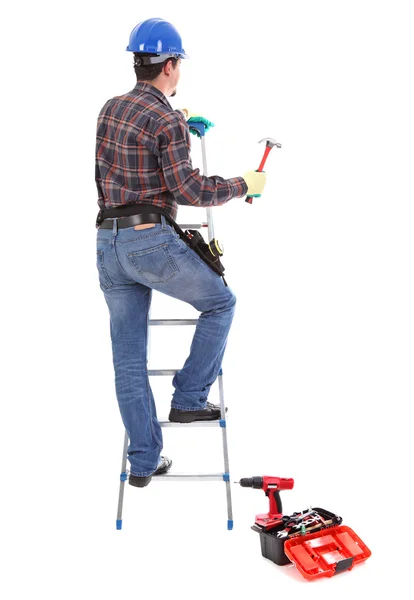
(270, 143)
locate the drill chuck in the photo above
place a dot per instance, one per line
(253, 482)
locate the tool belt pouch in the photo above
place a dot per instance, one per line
(195, 240)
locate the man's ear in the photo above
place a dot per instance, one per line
(168, 67)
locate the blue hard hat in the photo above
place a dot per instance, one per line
(156, 36)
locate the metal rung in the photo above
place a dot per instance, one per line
(192, 225)
(173, 321)
(162, 372)
(183, 477)
(194, 424)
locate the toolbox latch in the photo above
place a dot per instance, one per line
(343, 565)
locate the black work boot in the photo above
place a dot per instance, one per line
(163, 467)
(210, 413)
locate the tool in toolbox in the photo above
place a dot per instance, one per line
(314, 539)
(271, 487)
(202, 248)
(270, 143)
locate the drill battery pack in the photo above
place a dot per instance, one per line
(315, 541)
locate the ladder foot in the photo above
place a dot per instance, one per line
(230, 524)
(119, 523)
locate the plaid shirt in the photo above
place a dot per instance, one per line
(143, 156)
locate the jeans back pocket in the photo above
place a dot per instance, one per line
(154, 265)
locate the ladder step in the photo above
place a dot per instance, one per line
(194, 424)
(192, 225)
(162, 372)
(173, 321)
(184, 477)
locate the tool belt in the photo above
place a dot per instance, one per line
(209, 253)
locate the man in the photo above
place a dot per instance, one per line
(143, 163)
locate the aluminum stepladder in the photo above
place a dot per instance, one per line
(225, 476)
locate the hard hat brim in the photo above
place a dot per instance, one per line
(159, 58)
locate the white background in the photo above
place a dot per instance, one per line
(318, 369)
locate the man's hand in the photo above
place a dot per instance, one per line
(255, 181)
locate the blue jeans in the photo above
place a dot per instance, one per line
(131, 263)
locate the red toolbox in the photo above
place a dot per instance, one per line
(327, 552)
(330, 550)
(314, 540)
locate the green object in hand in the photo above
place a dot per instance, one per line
(198, 119)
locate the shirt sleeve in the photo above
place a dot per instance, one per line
(187, 184)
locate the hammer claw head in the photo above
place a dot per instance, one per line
(270, 142)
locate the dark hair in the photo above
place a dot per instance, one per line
(150, 72)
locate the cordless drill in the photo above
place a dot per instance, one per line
(271, 486)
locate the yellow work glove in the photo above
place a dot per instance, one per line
(255, 182)
(188, 113)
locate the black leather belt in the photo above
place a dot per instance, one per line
(131, 221)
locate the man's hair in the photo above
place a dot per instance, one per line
(150, 72)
